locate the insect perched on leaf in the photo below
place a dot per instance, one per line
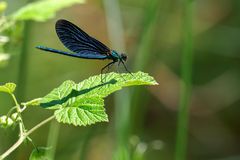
(83, 45)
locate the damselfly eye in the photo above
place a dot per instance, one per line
(124, 56)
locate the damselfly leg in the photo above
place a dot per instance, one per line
(107, 66)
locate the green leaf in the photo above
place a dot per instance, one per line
(43, 10)
(6, 122)
(58, 98)
(83, 104)
(8, 88)
(39, 153)
(15, 117)
(114, 82)
(83, 112)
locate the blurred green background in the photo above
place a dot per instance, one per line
(143, 120)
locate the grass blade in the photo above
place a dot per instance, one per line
(185, 94)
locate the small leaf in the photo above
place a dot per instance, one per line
(43, 9)
(15, 117)
(8, 88)
(82, 104)
(6, 122)
(39, 153)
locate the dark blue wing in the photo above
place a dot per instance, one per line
(80, 42)
(85, 55)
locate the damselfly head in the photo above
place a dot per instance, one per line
(123, 56)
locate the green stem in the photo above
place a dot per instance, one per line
(23, 62)
(23, 137)
(142, 61)
(39, 125)
(122, 100)
(185, 93)
(11, 110)
(53, 139)
(88, 134)
(15, 101)
(19, 110)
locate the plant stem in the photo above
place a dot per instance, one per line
(15, 100)
(23, 63)
(142, 61)
(122, 100)
(11, 149)
(53, 138)
(185, 94)
(39, 125)
(24, 136)
(19, 110)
